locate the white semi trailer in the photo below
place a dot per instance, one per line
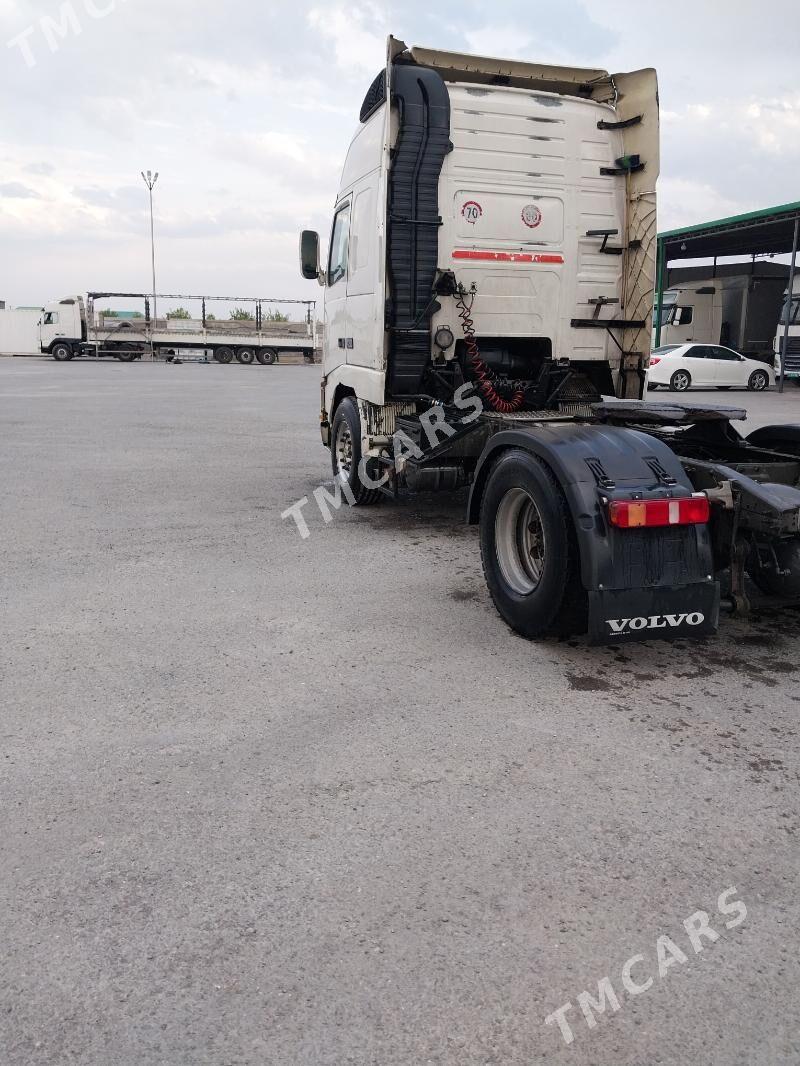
(488, 300)
(19, 330)
(73, 326)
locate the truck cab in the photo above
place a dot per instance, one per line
(495, 220)
(691, 314)
(62, 327)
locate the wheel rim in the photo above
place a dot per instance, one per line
(759, 381)
(344, 451)
(681, 381)
(520, 541)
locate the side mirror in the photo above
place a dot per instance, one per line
(309, 255)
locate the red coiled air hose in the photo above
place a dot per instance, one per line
(483, 375)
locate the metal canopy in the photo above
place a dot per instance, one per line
(758, 232)
(773, 230)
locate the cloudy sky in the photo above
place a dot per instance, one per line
(246, 107)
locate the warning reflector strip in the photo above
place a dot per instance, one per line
(508, 257)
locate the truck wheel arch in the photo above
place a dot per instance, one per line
(340, 392)
(780, 438)
(575, 455)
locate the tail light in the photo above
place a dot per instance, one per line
(638, 514)
(655, 359)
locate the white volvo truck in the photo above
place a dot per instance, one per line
(73, 326)
(791, 336)
(488, 301)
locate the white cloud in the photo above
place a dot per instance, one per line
(686, 201)
(15, 190)
(356, 48)
(247, 112)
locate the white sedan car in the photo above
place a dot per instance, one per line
(680, 366)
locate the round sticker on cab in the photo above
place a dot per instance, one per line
(531, 215)
(472, 211)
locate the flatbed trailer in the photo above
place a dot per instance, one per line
(74, 327)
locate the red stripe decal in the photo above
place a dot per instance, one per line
(507, 257)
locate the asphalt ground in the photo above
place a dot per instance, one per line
(268, 800)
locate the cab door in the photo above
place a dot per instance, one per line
(364, 295)
(336, 316)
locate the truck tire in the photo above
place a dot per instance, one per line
(223, 355)
(758, 381)
(267, 356)
(346, 452)
(245, 355)
(62, 352)
(680, 381)
(777, 572)
(126, 357)
(529, 549)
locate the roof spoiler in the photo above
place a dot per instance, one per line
(484, 70)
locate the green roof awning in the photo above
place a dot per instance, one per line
(769, 231)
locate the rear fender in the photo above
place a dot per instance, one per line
(784, 439)
(597, 463)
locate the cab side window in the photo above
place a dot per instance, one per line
(340, 239)
(50, 318)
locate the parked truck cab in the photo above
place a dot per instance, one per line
(488, 304)
(62, 328)
(523, 185)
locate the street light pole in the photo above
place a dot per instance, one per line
(150, 180)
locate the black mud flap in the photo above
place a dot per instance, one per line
(618, 616)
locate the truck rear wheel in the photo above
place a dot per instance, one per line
(267, 356)
(245, 355)
(223, 355)
(346, 452)
(529, 549)
(61, 352)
